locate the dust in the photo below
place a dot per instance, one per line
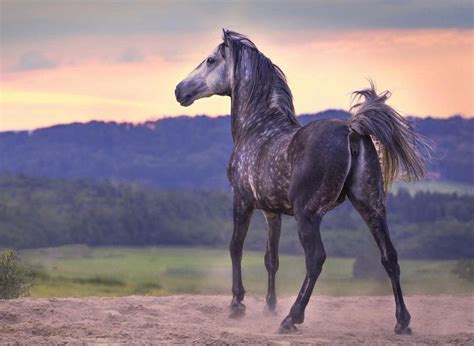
(204, 319)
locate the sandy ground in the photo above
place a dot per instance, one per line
(204, 319)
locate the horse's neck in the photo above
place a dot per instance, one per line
(252, 116)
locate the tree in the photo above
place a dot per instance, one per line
(15, 279)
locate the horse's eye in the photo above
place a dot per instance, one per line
(211, 61)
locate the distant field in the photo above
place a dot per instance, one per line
(83, 271)
(434, 186)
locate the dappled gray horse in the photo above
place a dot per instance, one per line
(280, 167)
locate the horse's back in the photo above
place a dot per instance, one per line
(330, 132)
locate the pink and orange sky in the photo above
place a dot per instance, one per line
(63, 62)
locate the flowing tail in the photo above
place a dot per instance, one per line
(402, 151)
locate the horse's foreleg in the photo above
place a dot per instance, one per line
(242, 214)
(271, 256)
(315, 256)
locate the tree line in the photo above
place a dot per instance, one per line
(42, 212)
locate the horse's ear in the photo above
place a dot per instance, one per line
(225, 36)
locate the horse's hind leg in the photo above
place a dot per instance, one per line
(376, 220)
(243, 211)
(271, 255)
(365, 191)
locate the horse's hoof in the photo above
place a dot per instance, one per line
(287, 328)
(269, 311)
(402, 330)
(237, 310)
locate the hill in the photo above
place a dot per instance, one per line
(186, 152)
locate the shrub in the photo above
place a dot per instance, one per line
(15, 279)
(98, 280)
(465, 269)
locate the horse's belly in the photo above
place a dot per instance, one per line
(272, 195)
(276, 205)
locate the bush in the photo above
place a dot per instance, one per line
(465, 269)
(15, 279)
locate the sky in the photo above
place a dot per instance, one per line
(75, 61)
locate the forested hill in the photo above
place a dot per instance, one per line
(184, 152)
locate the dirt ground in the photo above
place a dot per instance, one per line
(188, 319)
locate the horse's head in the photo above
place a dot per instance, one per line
(210, 77)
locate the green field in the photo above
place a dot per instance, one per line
(84, 271)
(434, 186)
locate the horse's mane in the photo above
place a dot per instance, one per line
(269, 80)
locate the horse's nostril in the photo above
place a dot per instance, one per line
(176, 93)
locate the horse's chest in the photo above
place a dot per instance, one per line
(271, 188)
(264, 176)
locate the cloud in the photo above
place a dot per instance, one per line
(130, 55)
(13, 97)
(46, 19)
(33, 60)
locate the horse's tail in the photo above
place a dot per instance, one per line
(401, 149)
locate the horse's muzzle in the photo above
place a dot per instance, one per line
(184, 99)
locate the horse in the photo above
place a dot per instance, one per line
(281, 167)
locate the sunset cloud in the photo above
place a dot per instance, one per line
(33, 60)
(130, 55)
(48, 19)
(121, 61)
(54, 98)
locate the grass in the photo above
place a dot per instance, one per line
(434, 186)
(83, 271)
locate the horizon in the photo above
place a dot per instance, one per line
(166, 117)
(86, 60)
